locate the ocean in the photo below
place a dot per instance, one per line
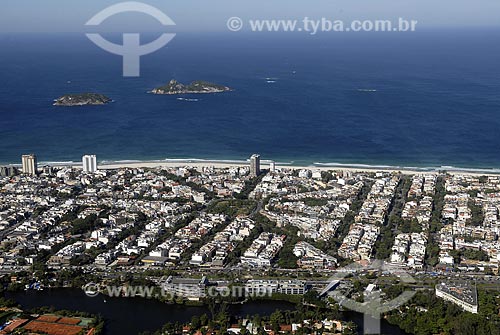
(423, 99)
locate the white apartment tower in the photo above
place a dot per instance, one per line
(272, 167)
(89, 163)
(29, 164)
(255, 165)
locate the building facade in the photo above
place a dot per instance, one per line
(263, 287)
(7, 171)
(89, 163)
(190, 288)
(29, 163)
(272, 167)
(461, 295)
(255, 165)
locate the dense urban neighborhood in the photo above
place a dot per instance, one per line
(195, 231)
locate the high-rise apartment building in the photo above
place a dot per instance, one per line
(29, 164)
(89, 163)
(255, 165)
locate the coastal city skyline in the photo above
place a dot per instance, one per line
(363, 238)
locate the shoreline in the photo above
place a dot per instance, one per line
(226, 163)
(112, 304)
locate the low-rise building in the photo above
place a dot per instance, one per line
(260, 287)
(190, 288)
(462, 295)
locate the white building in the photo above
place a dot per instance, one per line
(272, 167)
(462, 295)
(89, 163)
(190, 288)
(262, 287)
(29, 164)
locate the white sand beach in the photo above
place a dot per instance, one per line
(264, 165)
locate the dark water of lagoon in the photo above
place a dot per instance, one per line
(135, 315)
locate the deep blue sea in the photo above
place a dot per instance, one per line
(437, 99)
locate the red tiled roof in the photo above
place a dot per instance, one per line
(48, 318)
(15, 324)
(69, 321)
(52, 328)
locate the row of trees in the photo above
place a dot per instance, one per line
(219, 319)
(432, 251)
(386, 238)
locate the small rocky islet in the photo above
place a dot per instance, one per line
(83, 99)
(173, 87)
(196, 87)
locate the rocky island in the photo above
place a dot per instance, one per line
(82, 99)
(196, 87)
